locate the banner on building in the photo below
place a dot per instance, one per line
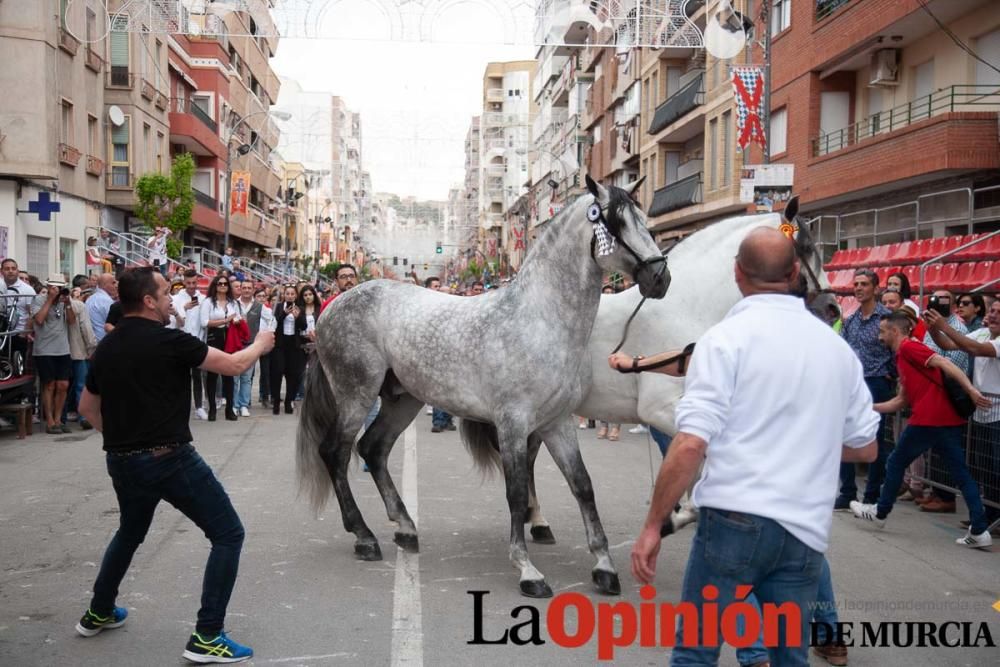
(765, 185)
(748, 89)
(324, 243)
(240, 195)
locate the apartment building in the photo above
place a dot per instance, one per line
(84, 115)
(689, 153)
(505, 140)
(349, 195)
(890, 124)
(468, 210)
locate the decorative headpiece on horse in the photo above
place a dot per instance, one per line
(605, 241)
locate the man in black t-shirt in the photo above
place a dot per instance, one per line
(138, 394)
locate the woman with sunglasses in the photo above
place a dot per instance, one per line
(287, 359)
(218, 311)
(972, 309)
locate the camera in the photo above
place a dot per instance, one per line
(943, 307)
(63, 291)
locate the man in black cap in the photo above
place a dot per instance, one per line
(144, 418)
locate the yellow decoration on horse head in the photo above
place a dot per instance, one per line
(788, 229)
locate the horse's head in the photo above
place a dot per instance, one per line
(813, 285)
(622, 242)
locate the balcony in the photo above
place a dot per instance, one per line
(68, 42)
(94, 61)
(825, 8)
(957, 98)
(95, 166)
(191, 126)
(205, 199)
(148, 90)
(494, 95)
(563, 85)
(496, 170)
(68, 155)
(684, 192)
(119, 77)
(685, 100)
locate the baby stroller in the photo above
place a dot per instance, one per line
(11, 360)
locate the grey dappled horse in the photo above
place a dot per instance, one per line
(509, 358)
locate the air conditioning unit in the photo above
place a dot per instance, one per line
(884, 67)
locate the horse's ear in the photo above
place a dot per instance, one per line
(592, 187)
(634, 185)
(791, 209)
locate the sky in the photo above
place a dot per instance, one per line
(416, 98)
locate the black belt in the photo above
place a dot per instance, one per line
(158, 450)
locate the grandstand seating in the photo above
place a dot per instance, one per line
(963, 271)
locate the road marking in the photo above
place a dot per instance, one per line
(407, 635)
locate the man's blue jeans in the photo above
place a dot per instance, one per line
(244, 383)
(947, 442)
(75, 388)
(185, 481)
(440, 418)
(882, 390)
(733, 549)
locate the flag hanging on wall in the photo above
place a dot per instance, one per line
(748, 88)
(241, 192)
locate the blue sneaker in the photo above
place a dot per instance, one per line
(217, 649)
(91, 623)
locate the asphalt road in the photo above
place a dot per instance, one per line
(303, 599)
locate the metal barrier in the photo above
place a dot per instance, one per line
(982, 457)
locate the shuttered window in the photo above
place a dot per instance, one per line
(121, 165)
(119, 42)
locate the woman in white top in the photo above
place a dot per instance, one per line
(309, 304)
(218, 311)
(158, 249)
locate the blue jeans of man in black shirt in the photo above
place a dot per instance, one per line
(183, 479)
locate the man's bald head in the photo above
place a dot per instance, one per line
(106, 281)
(767, 259)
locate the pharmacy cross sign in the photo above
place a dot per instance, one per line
(44, 207)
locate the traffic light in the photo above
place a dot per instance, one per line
(425, 267)
(439, 249)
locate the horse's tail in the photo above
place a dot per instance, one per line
(317, 427)
(483, 443)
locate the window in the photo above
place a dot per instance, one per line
(778, 132)
(646, 97)
(157, 54)
(67, 123)
(63, 5)
(655, 89)
(118, 46)
(66, 250)
(93, 135)
(713, 143)
(988, 47)
(121, 155)
(147, 148)
(38, 255)
(161, 145)
(673, 80)
(923, 80)
(727, 157)
(781, 15)
(671, 161)
(597, 133)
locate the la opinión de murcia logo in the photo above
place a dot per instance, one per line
(653, 624)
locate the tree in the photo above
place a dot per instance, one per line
(167, 201)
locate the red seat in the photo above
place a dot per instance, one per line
(984, 272)
(948, 278)
(842, 280)
(899, 252)
(879, 256)
(863, 257)
(839, 260)
(932, 277)
(848, 304)
(972, 252)
(883, 273)
(919, 251)
(991, 248)
(951, 243)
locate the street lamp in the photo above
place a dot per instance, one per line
(242, 150)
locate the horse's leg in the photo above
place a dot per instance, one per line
(375, 446)
(560, 438)
(337, 459)
(514, 457)
(540, 531)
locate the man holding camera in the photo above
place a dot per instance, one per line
(52, 316)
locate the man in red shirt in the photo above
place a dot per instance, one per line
(934, 423)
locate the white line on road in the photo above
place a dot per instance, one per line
(407, 635)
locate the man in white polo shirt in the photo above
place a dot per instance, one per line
(774, 400)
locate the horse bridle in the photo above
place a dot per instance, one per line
(804, 263)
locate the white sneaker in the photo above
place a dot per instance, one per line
(430, 410)
(869, 513)
(975, 541)
(220, 403)
(244, 411)
(637, 429)
(201, 414)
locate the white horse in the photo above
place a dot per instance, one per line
(702, 290)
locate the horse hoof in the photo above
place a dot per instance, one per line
(368, 551)
(542, 535)
(607, 582)
(407, 542)
(531, 588)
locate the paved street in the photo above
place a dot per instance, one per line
(302, 598)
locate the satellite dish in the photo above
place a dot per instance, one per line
(116, 116)
(726, 32)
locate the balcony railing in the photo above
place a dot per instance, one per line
(683, 101)
(205, 199)
(148, 90)
(68, 155)
(960, 97)
(68, 42)
(188, 106)
(826, 7)
(95, 165)
(161, 101)
(494, 95)
(679, 194)
(120, 77)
